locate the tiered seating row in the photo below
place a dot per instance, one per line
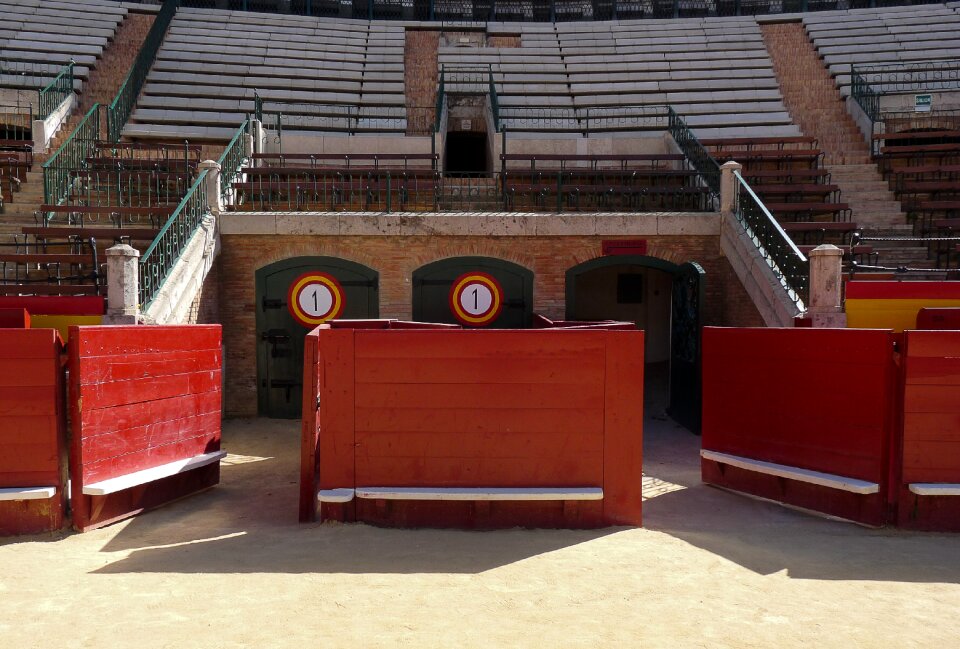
(40, 37)
(888, 35)
(319, 74)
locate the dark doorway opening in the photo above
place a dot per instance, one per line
(466, 154)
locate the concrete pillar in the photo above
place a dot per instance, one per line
(826, 274)
(258, 139)
(123, 285)
(213, 185)
(728, 186)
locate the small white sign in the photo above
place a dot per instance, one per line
(922, 103)
(316, 300)
(476, 298)
(466, 125)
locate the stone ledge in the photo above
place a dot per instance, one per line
(470, 224)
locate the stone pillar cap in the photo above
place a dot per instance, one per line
(122, 250)
(826, 250)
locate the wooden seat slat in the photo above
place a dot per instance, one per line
(136, 234)
(46, 258)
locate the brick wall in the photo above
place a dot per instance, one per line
(396, 257)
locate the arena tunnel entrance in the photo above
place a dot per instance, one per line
(466, 153)
(663, 299)
(475, 292)
(292, 297)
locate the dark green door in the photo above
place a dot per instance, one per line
(280, 336)
(432, 285)
(686, 322)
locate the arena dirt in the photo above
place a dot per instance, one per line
(232, 568)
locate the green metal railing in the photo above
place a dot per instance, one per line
(786, 261)
(699, 157)
(71, 156)
(441, 102)
(494, 102)
(231, 162)
(55, 92)
(122, 105)
(864, 94)
(158, 260)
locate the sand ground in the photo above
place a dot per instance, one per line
(232, 568)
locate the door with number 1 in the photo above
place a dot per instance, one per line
(293, 297)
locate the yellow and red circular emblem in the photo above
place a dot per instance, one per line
(476, 299)
(314, 298)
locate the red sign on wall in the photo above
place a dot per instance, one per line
(625, 247)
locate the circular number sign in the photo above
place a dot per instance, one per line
(476, 299)
(314, 298)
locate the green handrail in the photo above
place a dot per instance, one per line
(699, 157)
(441, 98)
(786, 261)
(122, 105)
(231, 161)
(494, 102)
(71, 156)
(55, 92)
(158, 260)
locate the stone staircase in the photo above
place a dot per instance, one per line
(101, 87)
(420, 78)
(815, 105)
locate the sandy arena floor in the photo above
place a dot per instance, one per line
(232, 568)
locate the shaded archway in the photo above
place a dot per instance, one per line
(665, 300)
(432, 285)
(279, 335)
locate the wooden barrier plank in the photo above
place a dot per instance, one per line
(623, 428)
(336, 390)
(32, 432)
(515, 396)
(480, 420)
(142, 398)
(310, 435)
(541, 369)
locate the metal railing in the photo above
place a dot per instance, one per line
(71, 156)
(55, 92)
(634, 190)
(122, 105)
(864, 94)
(466, 12)
(158, 260)
(441, 102)
(699, 158)
(231, 162)
(786, 261)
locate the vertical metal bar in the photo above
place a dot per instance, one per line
(388, 192)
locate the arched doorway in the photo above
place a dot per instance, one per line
(433, 284)
(281, 328)
(665, 300)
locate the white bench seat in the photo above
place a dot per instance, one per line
(842, 483)
(112, 485)
(27, 493)
(480, 493)
(935, 488)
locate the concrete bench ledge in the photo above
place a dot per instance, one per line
(480, 493)
(113, 485)
(842, 483)
(27, 493)
(935, 489)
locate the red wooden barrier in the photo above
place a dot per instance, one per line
(457, 409)
(14, 319)
(930, 471)
(32, 424)
(145, 409)
(945, 318)
(779, 404)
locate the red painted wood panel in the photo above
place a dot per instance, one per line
(818, 399)
(471, 408)
(14, 318)
(309, 428)
(32, 428)
(141, 397)
(931, 430)
(938, 318)
(799, 397)
(56, 304)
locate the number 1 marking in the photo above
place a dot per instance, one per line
(476, 299)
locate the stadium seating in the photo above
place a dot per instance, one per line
(31, 58)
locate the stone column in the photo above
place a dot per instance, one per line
(123, 285)
(825, 308)
(213, 185)
(728, 186)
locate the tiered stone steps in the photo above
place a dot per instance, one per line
(815, 104)
(101, 87)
